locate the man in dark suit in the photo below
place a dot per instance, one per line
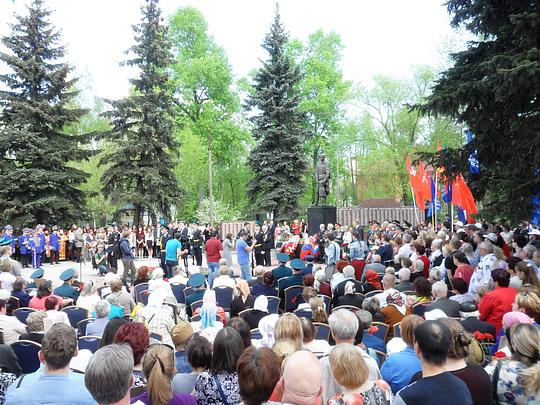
(471, 323)
(439, 290)
(358, 228)
(405, 284)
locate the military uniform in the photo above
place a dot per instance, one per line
(113, 249)
(282, 270)
(36, 275)
(258, 248)
(197, 249)
(196, 281)
(66, 290)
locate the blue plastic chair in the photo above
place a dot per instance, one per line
(81, 325)
(255, 334)
(156, 336)
(327, 301)
(144, 297)
(303, 313)
(196, 305)
(322, 331)
(397, 330)
(224, 297)
(138, 289)
(27, 354)
(178, 292)
(75, 315)
(291, 293)
(382, 330)
(89, 342)
(22, 313)
(273, 304)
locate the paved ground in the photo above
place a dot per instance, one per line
(85, 271)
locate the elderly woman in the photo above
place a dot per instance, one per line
(142, 275)
(321, 285)
(97, 327)
(243, 299)
(136, 336)
(181, 335)
(208, 326)
(89, 296)
(124, 298)
(399, 368)
(157, 283)
(19, 292)
(260, 310)
(35, 327)
(158, 317)
(316, 346)
(52, 304)
(115, 310)
(224, 280)
(267, 287)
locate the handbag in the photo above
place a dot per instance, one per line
(220, 390)
(495, 380)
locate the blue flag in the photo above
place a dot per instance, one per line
(474, 166)
(447, 193)
(461, 215)
(438, 208)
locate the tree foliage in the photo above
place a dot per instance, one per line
(140, 168)
(277, 160)
(38, 186)
(493, 88)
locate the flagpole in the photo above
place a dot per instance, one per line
(452, 216)
(434, 202)
(415, 207)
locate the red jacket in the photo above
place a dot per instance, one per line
(495, 304)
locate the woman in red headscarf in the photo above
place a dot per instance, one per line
(372, 281)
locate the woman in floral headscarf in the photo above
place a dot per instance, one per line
(394, 311)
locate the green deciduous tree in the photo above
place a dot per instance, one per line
(38, 186)
(277, 160)
(493, 88)
(140, 168)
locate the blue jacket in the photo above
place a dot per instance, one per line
(399, 368)
(125, 250)
(54, 242)
(24, 243)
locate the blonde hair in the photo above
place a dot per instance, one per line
(318, 310)
(284, 349)
(116, 285)
(525, 347)
(460, 339)
(530, 302)
(288, 326)
(158, 368)
(407, 326)
(348, 366)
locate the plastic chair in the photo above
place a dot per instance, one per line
(175, 310)
(303, 313)
(144, 297)
(382, 330)
(22, 313)
(273, 304)
(420, 309)
(347, 307)
(327, 301)
(12, 304)
(197, 318)
(397, 330)
(372, 293)
(89, 342)
(224, 297)
(27, 354)
(81, 325)
(156, 336)
(195, 305)
(187, 292)
(178, 292)
(103, 288)
(290, 293)
(255, 334)
(322, 331)
(381, 357)
(138, 289)
(75, 315)
(245, 311)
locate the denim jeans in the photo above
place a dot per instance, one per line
(245, 271)
(169, 264)
(213, 272)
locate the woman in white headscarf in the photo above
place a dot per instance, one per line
(158, 317)
(157, 283)
(266, 329)
(259, 311)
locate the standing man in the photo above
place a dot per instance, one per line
(163, 239)
(25, 249)
(173, 250)
(128, 260)
(67, 290)
(268, 244)
(54, 245)
(197, 244)
(113, 247)
(358, 228)
(214, 252)
(259, 245)
(333, 254)
(79, 243)
(243, 251)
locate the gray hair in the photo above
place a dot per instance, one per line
(488, 246)
(87, 289)
(343, 324)
(529, 250)
(365, 317)
(113, 299)
(108, 373)
(102, 309)
(258, 270)
(371, 304)
(435, 274)
(407, 238)
(389, 280)
(348, 271)
(418, 265)
(439, 289)
(436, 244)
(467, 249)
(35, 321)
(157, 273)
(404, 274)
(376, 258)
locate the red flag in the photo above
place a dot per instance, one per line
(462, 196)
(414, 179)
(425, 183)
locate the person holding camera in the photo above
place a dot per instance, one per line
(243, 250)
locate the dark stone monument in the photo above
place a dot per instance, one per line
(322, 214)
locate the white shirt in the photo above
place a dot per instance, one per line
(159, 283)
(54, 317)
(12, 328)
(7, 280)
(224, 281)
(88, 302)
(482, 274)
(405, 250)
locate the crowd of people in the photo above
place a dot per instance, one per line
(393, 314)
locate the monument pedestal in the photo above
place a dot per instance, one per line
(321, 214)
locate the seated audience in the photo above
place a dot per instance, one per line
(19, 292)
(125, 299)
(258, 373)
(461, 291)
(197, 282)
(259, 311)
(528, 303)
(43, 386)
(350, 371)
(136, 336)
(179, 276)
(158, 317)
(394, 311)
(432, 341)
(181, 335)
(349, 296)
(496, 303)
(348, 275)
(289, 327)
(404, 275)
(464, 270)
(439, 290)
(315, 346)
(373, 306)
(10, 325)
(158, 283)
(199, 356)
(321, 285)
(399, 368)
(258, 272)
(53, 315)
(45, 290)
(372, 280)
(518, 379)
(158, 368)
(224, 280)
(266, 329)
(108, 375)
(318, 311)
(115, 310)
(370, 341)
(142, 275)
(267, 287)
(97, 327)
(35, 327)
(422, 291)
(470, 322)
(527, 274)
(388, 282)
(220, 383)
(303, 300)
(241, 326)
(208, 326)
(110, 331)
(88, 297)
(243, 299)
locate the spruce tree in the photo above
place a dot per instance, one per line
(139, 169)
(494, 89)
(38, 186)
(277, 160)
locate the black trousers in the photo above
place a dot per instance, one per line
(197, 254)
(54, 256)
(267, 259)
(259, 259)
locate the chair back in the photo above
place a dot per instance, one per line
(137, 291)
(197, 318)
(273, 304)
(408, 292)
(175, 311)
(81, 325)
(196, 305)
(224, 297)
(255, 334)
(12, 304)
(322, 331)
(187, 292)
(303, 313)
(144, 297)
(245, 311)
(327, 302)
(22, 313)
(420, 309)
(156, 336)
(75, 314)
(291, 293)
(27, 354)
(360, 295)
(372, 293)
(90, 343)
(397, 330)
(381, 357)
(382, 330)
(178, 292)
(347, 307)
(100, 290)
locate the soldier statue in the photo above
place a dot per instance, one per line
(322, 175)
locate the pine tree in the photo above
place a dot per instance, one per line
(277, 160)
(38, 186)
(140, 166)
(494, 88)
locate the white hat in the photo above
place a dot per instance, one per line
(461, 230)
(492, 237)
(535, 232)
(458, 223)
(435, 314)
(478, 225)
